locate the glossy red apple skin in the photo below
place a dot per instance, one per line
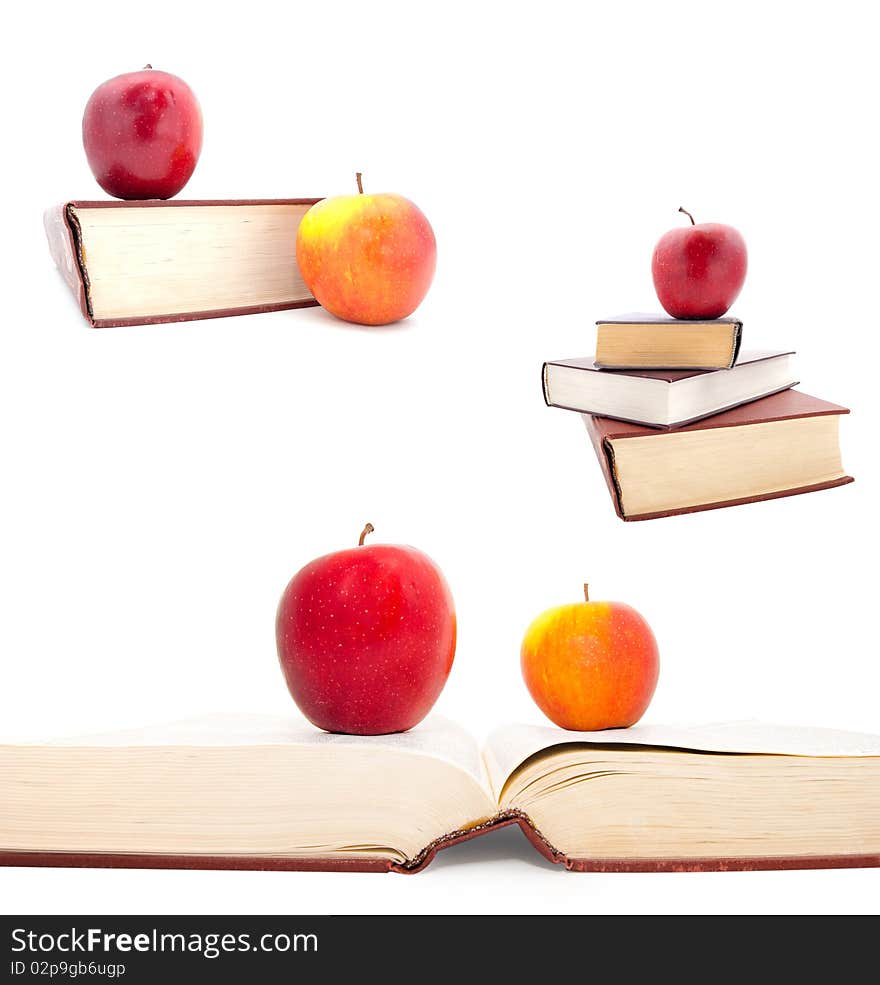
(142, 134)
(699, 270)
(366, 639)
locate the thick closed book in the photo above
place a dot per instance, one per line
(664, 398)
(268, 793)
(642, 341)
(140, 263)
(783, 445)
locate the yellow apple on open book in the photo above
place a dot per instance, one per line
(591, 665)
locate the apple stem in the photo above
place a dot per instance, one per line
(359, 175)
(586, 592)
(680, 209)
(368, 529)
(146, 67)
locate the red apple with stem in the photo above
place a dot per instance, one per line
(142, 133)
(366, 638)
(699, 269)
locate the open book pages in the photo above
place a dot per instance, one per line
(242, 785)
(437, 737)
(509, 746)
(257, 787)
(737, 790)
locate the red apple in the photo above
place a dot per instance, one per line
(367, 259)
(142, 133)
(699, 269)
(366, 638)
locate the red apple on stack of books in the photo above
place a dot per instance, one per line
(367, 259)
(591, 665)
(366, 638)
(700, 269)
(142, 133)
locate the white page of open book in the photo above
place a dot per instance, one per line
(435, 737)
(506, 748)
(510, 746)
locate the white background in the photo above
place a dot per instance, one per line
(161, 484)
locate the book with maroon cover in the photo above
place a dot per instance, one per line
(142, 263)
(651, 341)
(664, 398)
(783, 445)
(256, 792)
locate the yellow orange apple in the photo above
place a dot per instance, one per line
(368, 259)
(591, 665)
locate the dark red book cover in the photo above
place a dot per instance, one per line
(778, 407)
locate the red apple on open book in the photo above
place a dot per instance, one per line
(699, 269)
(366, 638)
(142, 133)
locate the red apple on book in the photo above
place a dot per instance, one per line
(142, 133)
(591, 665)
(366, 638)
(699, 269)
(367, 259)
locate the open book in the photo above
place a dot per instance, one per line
(268, 793)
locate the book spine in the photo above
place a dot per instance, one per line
(737, 342)
(64, 250)
(500, 820)
(606, 461)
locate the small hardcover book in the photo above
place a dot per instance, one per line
(657, 342)
(782, 445)
(664, 398)
(140, 263)
(246, 792)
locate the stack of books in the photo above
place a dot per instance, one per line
(682, 420)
